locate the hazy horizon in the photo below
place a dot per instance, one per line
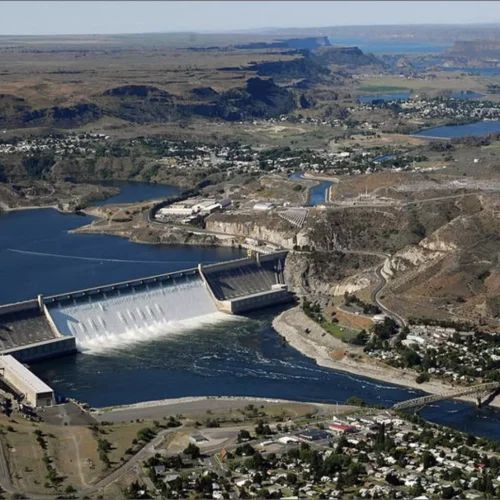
(50, 18)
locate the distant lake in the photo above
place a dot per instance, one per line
(481, 71)
(366, 99)
(453, 131)
(134, 192)
(391, 47)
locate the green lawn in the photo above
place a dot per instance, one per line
(339, 332)
(382, 88)
(493, 145)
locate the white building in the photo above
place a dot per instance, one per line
(35, 391)
(263, 206)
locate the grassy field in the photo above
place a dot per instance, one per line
(71, 450)
(339, 332)
(443, 81)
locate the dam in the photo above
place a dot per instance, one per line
(140, 309)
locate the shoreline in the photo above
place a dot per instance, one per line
(157, 409)
(191, 399)
(291, 325)
(35, 207)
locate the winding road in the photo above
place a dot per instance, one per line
(375, 296)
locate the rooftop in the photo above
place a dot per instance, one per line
(19, 370)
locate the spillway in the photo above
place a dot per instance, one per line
(137, 313)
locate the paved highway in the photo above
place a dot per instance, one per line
(375, 296)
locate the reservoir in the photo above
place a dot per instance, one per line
(134, 192)
(237, 356)
(38, 255)
(454, 131)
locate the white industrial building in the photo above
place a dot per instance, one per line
(191, 207)
(263, 206)
(35, 391)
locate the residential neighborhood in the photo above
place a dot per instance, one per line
(362, 454)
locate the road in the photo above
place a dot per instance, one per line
(128, 466)
(397, 204)
(375, 296)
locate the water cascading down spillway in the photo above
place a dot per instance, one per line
(98, 321)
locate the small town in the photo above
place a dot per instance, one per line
(359, 454)
(455, 356)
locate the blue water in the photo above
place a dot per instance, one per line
(480, 71)
(134, 192)
(37, 255)
(390, 47)
(453, 131)
(243, 356)
(466, 95)
(381, 159)
(404, 97)
(318, 193)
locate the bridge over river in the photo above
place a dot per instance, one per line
(490, 389)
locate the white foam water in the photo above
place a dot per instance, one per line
(112, 321)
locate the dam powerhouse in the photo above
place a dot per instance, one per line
(48, 327)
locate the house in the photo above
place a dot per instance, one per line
(159, 469)
(313, 435)
(342, 429)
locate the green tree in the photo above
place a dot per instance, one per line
(355, 401)
(417, 489)
(428, 460)
(243, 435)
(192, 450)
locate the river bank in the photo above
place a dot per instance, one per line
(144, 233)
(157, 409)
(330, 352)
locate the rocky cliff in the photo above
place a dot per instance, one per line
(351, 56)
(321, 275)
(265, 227)
(475, 49)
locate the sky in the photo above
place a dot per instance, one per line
(102, 17)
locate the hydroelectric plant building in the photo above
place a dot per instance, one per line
(34, 392)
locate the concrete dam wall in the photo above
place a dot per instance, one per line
(26, 333)
(141, 309)
(160, 307)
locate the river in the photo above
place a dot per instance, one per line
(239, 356)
